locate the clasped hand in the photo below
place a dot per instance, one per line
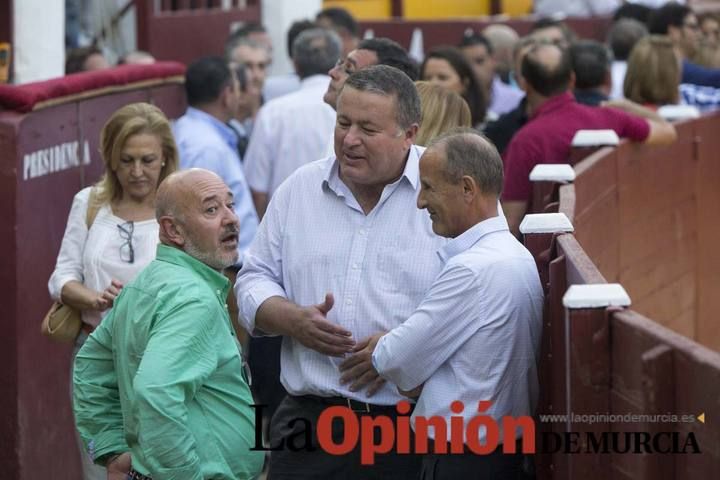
(358, 369)
(107, 297)
(316, 332)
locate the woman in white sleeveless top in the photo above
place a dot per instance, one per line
(94, 263)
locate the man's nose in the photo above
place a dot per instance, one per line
(230, 217)
(351, 137)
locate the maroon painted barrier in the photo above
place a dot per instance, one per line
(450, 32)
(645, 217)
(47, 154)
(163, 27)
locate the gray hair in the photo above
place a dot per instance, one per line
(390, 82)
(315, 51)
(623, 36)
(235, 42)
(467, 152)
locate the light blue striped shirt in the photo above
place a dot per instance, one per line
(205, 142)
(315, 239)
(476, 334)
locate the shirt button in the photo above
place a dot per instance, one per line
(348, 301)
(363, 231)
(355, 266)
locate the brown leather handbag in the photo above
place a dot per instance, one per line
(62, 323)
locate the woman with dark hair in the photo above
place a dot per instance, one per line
(446, 66)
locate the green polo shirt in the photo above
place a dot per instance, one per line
(161, 377)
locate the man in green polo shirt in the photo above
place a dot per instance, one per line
(158, 387)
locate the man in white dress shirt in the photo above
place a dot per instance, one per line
(342, 254)
(476, 334)
(294, 129)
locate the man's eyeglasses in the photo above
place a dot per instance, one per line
(127, 253)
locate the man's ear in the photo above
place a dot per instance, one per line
(171, 231)
(521, 83)
(470, 188)
(411, 133)
(225, 94)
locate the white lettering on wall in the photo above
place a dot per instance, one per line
(55, 159)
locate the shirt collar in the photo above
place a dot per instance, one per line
(554, 102)
(226, 132)
(590, 97)
(471, 236)
(411, 173)
(216, 280)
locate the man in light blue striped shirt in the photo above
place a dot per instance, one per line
(342, 254)
(476, 334)
(205, 141)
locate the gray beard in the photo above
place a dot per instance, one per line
(207, 258)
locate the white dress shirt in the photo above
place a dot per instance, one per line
(476, 334)
(618, 70)
(93, 257)
(280, 85)
(315, 238)
(289, 132)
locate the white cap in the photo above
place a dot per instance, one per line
(545, 223)
(598, 295)
(595, 138)
(552, 172)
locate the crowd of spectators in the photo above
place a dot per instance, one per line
(327, 164)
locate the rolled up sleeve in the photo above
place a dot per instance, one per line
(261, 276)
(69, 265)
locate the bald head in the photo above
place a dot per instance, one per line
(547, 69)
(503, 40)
(178, 190)
(195, 211)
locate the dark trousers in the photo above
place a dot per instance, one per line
(470, 466)
(317, 464)
(264, 361)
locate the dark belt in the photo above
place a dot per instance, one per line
(135, 475)
(354, 405)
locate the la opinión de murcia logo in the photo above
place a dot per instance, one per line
(459, 434)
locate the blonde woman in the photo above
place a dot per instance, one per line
(442, 110)
(653, 72)
(111, 232)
